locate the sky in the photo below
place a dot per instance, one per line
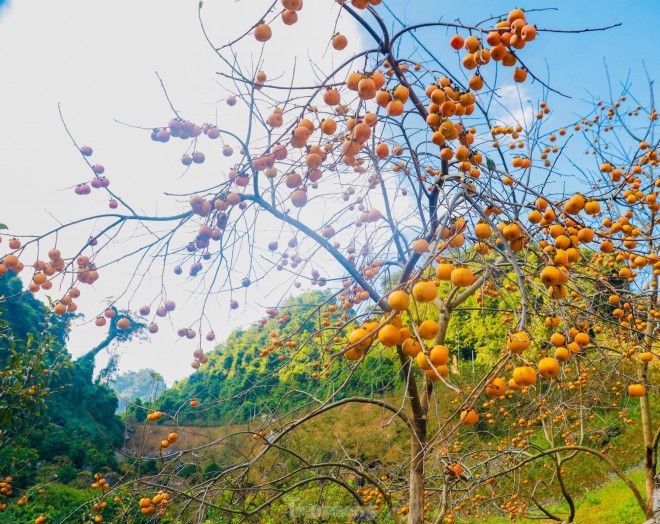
(97, 60)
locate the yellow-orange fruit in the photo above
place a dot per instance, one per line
(469, 417)
(524, 375)
(399, 300)
(424, 292)
(518, 342)
(428, 329)
(444, 271)
(496, 388)
(548, 367)
(462, 277)
(439, 355)
(636, 390)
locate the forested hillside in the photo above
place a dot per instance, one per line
(237, 370)
(56, 420)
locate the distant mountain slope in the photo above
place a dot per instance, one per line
(230, 387)
(144, 384)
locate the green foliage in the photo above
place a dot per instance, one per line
(190, 471)
(31, 360)
(56, 503)
(25, 313)
(18, 459)
(50, 406)
(83, 424)
(237, 374)
(331, 504)
(137, 411)
(67, 474)
(78, 421)
(251, 385)
(611, 502)
(211, 471)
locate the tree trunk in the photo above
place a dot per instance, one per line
(419, 408)
(650, 452)
(655, 503)
(419, 405)
(650, 448)
(416, 499)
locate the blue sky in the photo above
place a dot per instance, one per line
(576, 61)
(576, 64)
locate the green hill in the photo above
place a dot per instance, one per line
(68, 424)
(237, 384)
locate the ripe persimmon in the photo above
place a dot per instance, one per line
(262, 32)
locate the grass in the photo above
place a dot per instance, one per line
(600, 497)
(360, 429)
(146, 438)
(611, 503)
(363, 432)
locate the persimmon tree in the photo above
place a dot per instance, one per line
(390, 178)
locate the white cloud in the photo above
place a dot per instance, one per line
(513, 105)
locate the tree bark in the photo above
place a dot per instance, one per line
(650, 451)
(420, 410)
(417, 441)
(416, 499)
(655, 503)
(650, 446)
